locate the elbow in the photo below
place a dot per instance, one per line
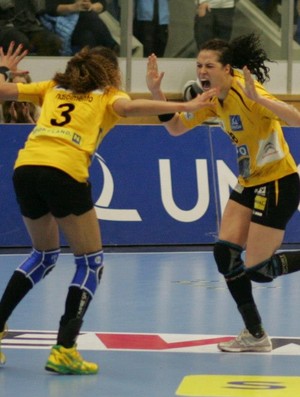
(125, 113)
(172, 131)
(125, 108)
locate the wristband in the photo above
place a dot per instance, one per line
(166, 117)
(5, 71)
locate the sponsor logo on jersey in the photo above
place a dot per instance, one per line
(236, 123)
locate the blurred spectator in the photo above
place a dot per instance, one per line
(270, 8)
(20, 112)
(297, 20)
(78, 24)
(151, 25)
(113, 7)
(19, 23)
(213, 19)
(8, 32)
(114, 27)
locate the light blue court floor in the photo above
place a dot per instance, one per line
(153, 327)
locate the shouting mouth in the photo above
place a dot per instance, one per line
(205, 84)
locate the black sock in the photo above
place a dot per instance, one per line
(252, 319)
(68, 332)
(77, 303)
(241, 291)
(240, 288)
(17, 287)
(289, 261)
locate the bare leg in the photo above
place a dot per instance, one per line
(82, 232)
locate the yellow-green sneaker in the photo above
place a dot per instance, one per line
(2, 355)
(68, 361)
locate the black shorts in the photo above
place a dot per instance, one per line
(40, 190)
(272, 203)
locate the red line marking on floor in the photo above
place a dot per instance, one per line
(151, 342)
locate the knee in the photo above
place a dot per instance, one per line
(38, 264)
(266, 271)
(89, 269)
(228, 259)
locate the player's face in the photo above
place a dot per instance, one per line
(211, 73)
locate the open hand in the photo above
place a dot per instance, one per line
(202, 101)
(20, 113)
(249, 88)
(12, 58)
(153, 76)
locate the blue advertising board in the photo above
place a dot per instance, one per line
(158, 185)
(149, 188)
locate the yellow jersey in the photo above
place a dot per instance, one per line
(263, 154)
(70, 127)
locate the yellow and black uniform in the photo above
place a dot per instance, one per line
(262, 152)
(51, 171)
(268, 181)
(70, 127)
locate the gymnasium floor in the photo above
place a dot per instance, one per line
(153, 328)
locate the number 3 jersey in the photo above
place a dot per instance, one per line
(70, 127)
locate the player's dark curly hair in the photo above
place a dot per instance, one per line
(243, 51)
(90, 69)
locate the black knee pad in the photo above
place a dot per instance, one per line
(265, 271)
(228, 259)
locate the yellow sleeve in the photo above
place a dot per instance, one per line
(191, 120)
(113, 96)
(33, 92)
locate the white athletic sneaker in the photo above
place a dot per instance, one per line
(246, 342)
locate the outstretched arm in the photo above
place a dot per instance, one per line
(172, 123)
(147, 107)
(285, 112)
